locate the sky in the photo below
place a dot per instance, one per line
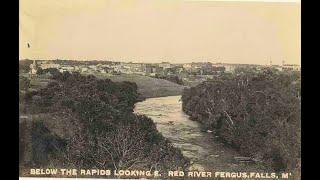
(161, 30)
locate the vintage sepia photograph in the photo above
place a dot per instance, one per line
(160, 89)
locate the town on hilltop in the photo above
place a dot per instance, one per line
(151, 69)
(184, 73)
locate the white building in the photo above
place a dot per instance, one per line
(47, 66)
(291, 67)
(230, 67)
(165, 65)
(103, 71)
(67, 68)
(187, 66)
(33, 68)
(84, 69)
(93, 67)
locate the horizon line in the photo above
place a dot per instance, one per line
(257, 1)
(135, 62)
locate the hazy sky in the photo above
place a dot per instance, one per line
(160, 30)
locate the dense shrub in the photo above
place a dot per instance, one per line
(24, 83)
(172, 78)
(24, 66)
(259, 114)
(105, 131)
(44, 144)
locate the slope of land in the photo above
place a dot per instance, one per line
(84, 122)
(257, 114)
(148, 86)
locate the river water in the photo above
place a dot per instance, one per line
(202, 148)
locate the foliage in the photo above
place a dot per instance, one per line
(257, 113)
(106, 132)
(44, 144)
(172, 78)
(24, 66)
(24, 83)
(53, 71)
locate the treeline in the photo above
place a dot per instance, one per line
(24, 66)
(86, 122)
(172, 78)
(256, 113)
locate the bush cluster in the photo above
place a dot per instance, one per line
(105, 132)
(257, 113)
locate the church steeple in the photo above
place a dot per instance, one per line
(33, 67)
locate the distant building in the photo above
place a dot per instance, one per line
(291, 67)
(132, 67)
(77, 68)
(84, 69)
(164, 65)
(50, 65)
(103, 71)
(199, 67)
(206, 68)
(187, 66)
(179, 69)
(230, 67)
(33, 68)
(277, 67)
(218, 69)
(93, 67)
(149, 68)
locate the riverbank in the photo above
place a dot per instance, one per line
(258, 114)
(204, 150)
(85, 122)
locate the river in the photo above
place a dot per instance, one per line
(202, 148)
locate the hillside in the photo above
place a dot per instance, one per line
(84, 122)
(148, 86)
(257, 114)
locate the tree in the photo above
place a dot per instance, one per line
(258, 113)
(104, 132)
(24, 83)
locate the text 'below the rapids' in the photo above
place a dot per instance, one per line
(155, 174)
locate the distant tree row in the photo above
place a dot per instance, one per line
(24, 66)
(172, 78)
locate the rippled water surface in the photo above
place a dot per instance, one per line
(204, 151)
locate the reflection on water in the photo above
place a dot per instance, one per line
(203, 150)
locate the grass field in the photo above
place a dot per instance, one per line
(148, 86)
